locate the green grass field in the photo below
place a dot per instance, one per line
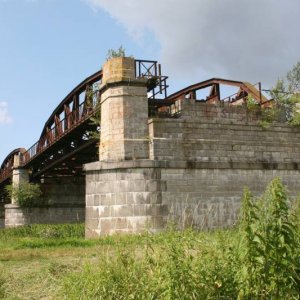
(56, 262)
(258, 259)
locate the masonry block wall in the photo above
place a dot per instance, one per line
(123, 197)
(214, 133)
(198, 165)
(2, 217)
(124, 129)
(195, 171)
(63, 202)
(209, 197)
(66, 191)
(17, 216)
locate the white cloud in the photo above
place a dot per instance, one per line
(255, 40)
(5, 118)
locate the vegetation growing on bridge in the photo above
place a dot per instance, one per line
(111, 53)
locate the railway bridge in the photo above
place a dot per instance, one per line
(122, 155)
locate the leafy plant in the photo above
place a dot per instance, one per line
(252, 105)
(26, 194)
(286, 95)
(111, 53)
(270, 256)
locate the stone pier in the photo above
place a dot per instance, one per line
(121, 197)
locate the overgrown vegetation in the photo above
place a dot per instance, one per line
(270, 256)
(111, 53)
(44, 231)
(286, 105)
(26, 194)
(259, 259)
(286, 94)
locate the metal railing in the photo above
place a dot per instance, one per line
(70, 122)
(157, 83)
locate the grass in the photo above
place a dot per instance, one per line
(42, 261)
(259, 259)
(169, 265)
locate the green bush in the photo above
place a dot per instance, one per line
(26, 194)
(252, 104)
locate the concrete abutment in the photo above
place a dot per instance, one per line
(190, 170)
(134, 196)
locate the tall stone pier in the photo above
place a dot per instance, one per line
(121, 193)
(190, 170)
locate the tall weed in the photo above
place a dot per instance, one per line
(2, 285)
(270, 256)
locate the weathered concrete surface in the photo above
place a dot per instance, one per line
(222, 134)
(127, 200)
(124, 112)
(124, 123)
(19, 216)
(191, 169)
(200, 194)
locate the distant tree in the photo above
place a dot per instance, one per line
(293, 79)
(286, 94)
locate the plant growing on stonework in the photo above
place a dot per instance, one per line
(111, 53)
(26, 194)
(268, 115)
(252, 105)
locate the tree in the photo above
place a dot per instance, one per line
(286, 94)
(293, 79)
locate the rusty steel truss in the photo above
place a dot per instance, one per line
(170, 106)
(66, 143)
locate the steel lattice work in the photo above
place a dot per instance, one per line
(65, 143)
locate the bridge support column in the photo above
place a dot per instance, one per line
(20, 176)
(124, 112)
(123, 194)
(13, 212)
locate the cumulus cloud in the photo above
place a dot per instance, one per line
(255, 40)
(5, 118)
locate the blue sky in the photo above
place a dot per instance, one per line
(47, 47)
